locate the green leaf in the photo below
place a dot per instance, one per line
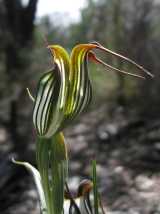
(37, 180)
(42, 153)
(53, 166)
(59, 171)
(95, 191)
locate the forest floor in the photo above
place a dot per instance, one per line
(127, 150)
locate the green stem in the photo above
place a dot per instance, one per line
(42, 153)
(95, 191)
(52, 163)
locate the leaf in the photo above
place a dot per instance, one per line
(53, 166)
(95, 191)
(42, 153)
(59, 171)
(37, 180)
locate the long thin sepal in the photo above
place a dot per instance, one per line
(96, 59)
(125, 59)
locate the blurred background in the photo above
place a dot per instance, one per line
(121, 129)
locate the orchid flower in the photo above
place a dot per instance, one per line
(81, 202)
(62, 94)
(65, 91)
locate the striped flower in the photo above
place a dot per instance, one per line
(65, 91)
(82, 203)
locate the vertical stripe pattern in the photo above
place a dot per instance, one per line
(46, 99)
(66, 91)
